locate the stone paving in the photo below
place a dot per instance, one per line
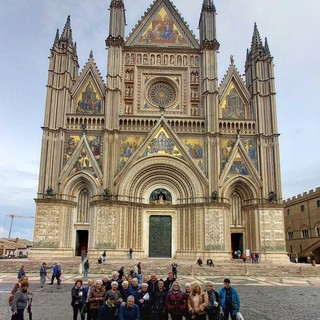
(276, 298)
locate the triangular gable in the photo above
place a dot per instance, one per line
(162, 141)
(82, 160)
(162, 26)
(88, 91)
(239, 163)
(233, 92)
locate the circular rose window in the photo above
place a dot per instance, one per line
(161, 94)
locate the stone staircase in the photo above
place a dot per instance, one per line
(162, 266)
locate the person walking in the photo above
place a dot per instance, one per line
(86, 266)
(56, 273)
(230, 300)
(76, 299)
(20, 302)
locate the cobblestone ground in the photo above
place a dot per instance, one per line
(261, 298)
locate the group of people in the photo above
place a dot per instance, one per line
(125, 298)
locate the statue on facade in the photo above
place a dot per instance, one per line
(214, 196)
(272, 197)
(49, 192)
(106, 194)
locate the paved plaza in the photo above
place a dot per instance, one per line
(291, 298)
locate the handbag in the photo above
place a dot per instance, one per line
(239, 316)
(84, 309)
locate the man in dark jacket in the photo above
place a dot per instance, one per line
(109, 309)
(130, 311)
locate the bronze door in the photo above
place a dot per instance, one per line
(160, 229)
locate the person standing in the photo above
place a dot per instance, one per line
(230, 300)
(130, 253)
(213, 302)
(104, 256)
(198, 302)
(96, 297)
(86, 266)
(20, 302)
(312, 259)
(76, 299)
(176, 302)
(21, 272)
(43, 274)
(130, 311)
(109, 309)
(174, 269)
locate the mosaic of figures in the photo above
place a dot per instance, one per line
(89, 101)
(239, 167)
(160, 59)
(128, 146)
(195, 149)
(162, 31)
(162, 144)
(72, 142)
(232, 106)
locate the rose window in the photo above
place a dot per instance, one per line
(161, 94)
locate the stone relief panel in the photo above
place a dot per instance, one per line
(105, 228)
(214, 235)
(47, 226)
(272, 230)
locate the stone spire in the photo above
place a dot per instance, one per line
(207, 26)
(117, 24)
(67, 32)
(256, 42)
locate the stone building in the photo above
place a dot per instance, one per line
(302, 225)
(159, 156)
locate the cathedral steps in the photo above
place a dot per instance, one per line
(162, 266)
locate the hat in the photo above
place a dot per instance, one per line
(227, 280)
(111, 296)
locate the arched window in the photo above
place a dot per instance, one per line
(161, 196)
(83, 206)
(236, 209)
(305, 232)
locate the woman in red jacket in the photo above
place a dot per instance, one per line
(176, 302)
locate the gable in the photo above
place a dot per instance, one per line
(162, 26)
(82, 155)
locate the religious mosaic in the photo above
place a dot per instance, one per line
(195, 149)
(162, 144)
(128, 146)
(162, 31)
(232, 106)
(89, 101)
(239, 166)
(226, 150)
(72, 142)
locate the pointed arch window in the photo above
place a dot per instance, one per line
(83, 206)
(236, 209)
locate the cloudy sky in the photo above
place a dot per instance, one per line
(27, 30)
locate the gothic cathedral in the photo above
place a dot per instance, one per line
(159, 157)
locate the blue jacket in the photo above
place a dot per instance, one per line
(107, 312)
(235, 299)
(128, 313)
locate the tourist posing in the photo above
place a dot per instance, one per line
(230, 300)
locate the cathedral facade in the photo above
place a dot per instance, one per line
(159, 157)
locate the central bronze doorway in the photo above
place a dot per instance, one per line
(160, 231)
